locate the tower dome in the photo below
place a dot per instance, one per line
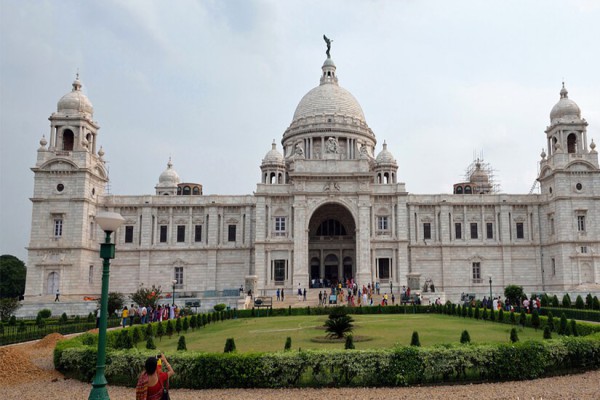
(273, 156)
(168, 181)
(565, 109)
(384, 156)
(75, 101)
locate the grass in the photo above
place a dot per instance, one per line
(386, 330)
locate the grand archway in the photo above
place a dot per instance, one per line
(331, 246)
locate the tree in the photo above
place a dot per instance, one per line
(149, 330)
(178, 326)
(514, 337)
(8, 306)
(464, 312)
(523, 318)
(147, 296)
(229, 345)
(477, 312)
(485, 314)
(588, 301)
(514, 293)
(170, 328)
(339, 323)
(562, 328)
(566, 301)
(555, 301)
(550, 321)
(545, 300)
(186, 324)
(414, 340)
(579, 304)
(513, 319)
(150, 343)
(194, 322)
(573, 326)
(465, 338)
(492, 315)
(501, 315)
(12, 277)
(63, 318)
(39, 321)
(288, 344)
(349, 345)
(547, 332)
(160, 331)
(596, 303)
(116, 301)
(535, 320)
(136, 335)
(181, 346)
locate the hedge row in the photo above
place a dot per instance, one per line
(583, 315)
(376, 309)
(401, 366)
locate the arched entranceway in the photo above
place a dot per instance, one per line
(331, 246)
(52, 283)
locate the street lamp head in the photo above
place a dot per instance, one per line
(174, 281)
(109, 221)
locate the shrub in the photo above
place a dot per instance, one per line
(209, 317)
(566, 301)
(573, 328)
(579, 304)
(194, 322)
(160, 330)
(492, 315)
(124, 340)
(535, 319)
(547, 332)
(63, 318)
(288, 344)
(465, 338)
(349, 345)
(149, 330)
(414, 340)
(485, 314)
(186, 324)
(514, 337)
(77, 319)
(596, 303)
(562, 328)
(229, 345)
(477, 312)
(150, 343)
(21, 327)
(115, 302)
(513, 319)
(588, 301)
(205, 319)
(8, 306)
(40, 322)
(219, 307)
(545, 300)
(91, 317)
(181, 344)
(45, 313)
(178, 325)
(12, 321)
(470, 312)
(501, 315)
(464, 312)
(550, 321)
(136, 335)
(523, 318)
(170, 328)
(339, 322)
(555, 302)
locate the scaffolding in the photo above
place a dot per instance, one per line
(494, 185)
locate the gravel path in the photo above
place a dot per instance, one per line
(27, 373)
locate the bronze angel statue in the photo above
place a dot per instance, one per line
(328, 41)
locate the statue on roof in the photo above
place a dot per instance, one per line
(328, 41)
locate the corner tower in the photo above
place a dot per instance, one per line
(69, 178)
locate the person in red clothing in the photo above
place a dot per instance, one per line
(152, 381)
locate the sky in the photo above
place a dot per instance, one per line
(212, 83)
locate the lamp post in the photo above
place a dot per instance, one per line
(490, 290)
(174, 282)
(109, 222)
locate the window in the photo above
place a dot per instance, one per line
(474, 230)
(553, 266)
(457, 230)
(180, 233)
(179, 277)
(92, 230)
(231, 233)
(91, 275)
(552, 226)
(58, 228)
(581, 223)
(279, 226)
(279, 270)
(383, 268)
(489, 227)
(331, 227)
(520, 233)
(426, 230)
(382, 223)
(163, 234)
(68, 140)
(583, 249)
(198, 233)
(476, 272)
(129, 234)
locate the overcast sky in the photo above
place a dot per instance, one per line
(212, 83)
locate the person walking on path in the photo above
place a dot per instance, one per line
(282, 295)
(125, 315)
(57, 298)
(278, 295)
(304, 295)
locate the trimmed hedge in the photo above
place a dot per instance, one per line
(572, 313)
(401, 366)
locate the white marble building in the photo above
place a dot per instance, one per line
(328, 206)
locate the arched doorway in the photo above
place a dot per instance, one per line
(331, 245)
(52, 283)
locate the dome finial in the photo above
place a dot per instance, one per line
(169, 164)
(77, 82)
(563, 92)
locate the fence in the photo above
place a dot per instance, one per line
(27, 332)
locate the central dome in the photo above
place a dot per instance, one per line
(328, 99)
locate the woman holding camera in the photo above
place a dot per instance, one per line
(153, 381)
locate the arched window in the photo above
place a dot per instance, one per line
(273, 178)
(186, 190)
(468, 190)
(572, 143)
(459, 190)
(68, 140)
(196, 191)
(265, 177)
(331, 227)
(279, 178)
(178, 191)
(386, 178)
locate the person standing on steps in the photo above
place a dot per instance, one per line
(282, 295)
(57, 298)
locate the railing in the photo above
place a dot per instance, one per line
(222, 293)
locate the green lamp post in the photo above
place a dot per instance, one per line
(109, 222)
(174, 282)
(490, 291)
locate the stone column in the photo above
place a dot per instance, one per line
(300, 275)
(363, 241)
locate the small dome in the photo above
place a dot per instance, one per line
(273, 156)
(75, 101)
(565, 109)
(169, 178)
(384, 156)
(479, 176)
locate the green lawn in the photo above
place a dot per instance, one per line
(386, 330)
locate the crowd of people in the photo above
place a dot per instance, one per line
(146, 314)
(496, 303)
